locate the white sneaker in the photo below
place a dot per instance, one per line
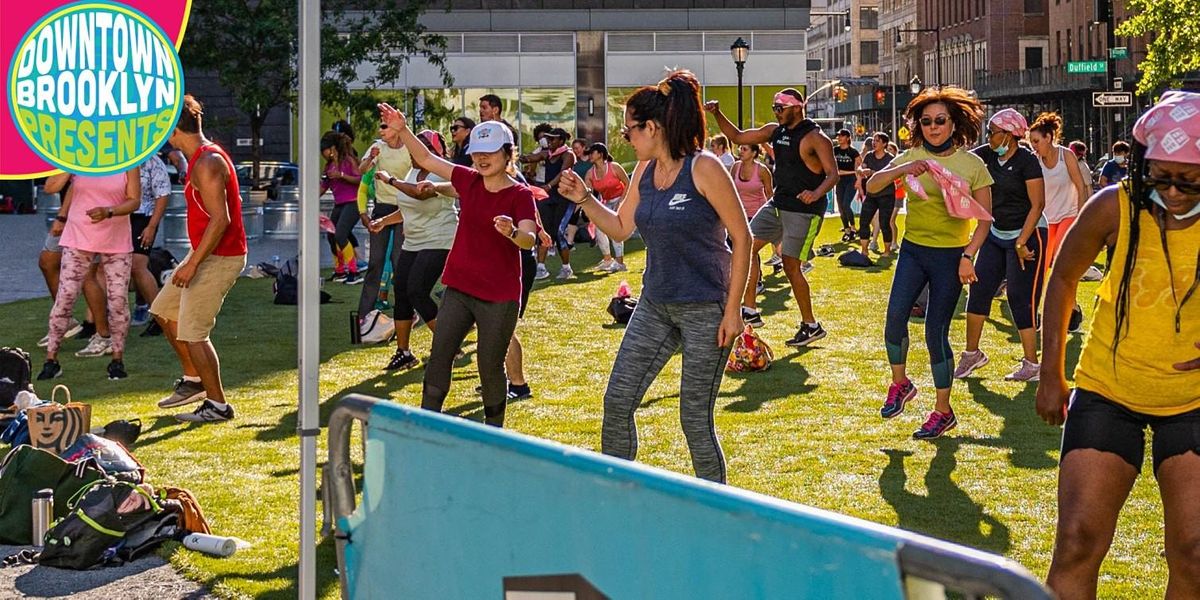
(1092, 274)
(565, 273)
(873, 247)
(775, 260)
(542, 272)
(617, 267)
(45, 341)
(97, 346)
(72, 331)
(604, 265)
(807, 267)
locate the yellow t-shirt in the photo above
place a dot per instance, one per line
(1142, 378)
(928, 223)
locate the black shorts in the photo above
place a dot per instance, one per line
(1096, 422)
(138, 224)
(528, 272)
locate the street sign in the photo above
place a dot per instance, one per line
(903, 133)
(1118, 52)
(860, 129)
(1087, 66)
(1118, 83)
(1112, 99)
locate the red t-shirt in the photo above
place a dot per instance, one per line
(482, 262)
(233, 241)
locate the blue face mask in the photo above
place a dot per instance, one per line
(1157, 199)
(1001, 150)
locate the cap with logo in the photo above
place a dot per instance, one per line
(489, 136)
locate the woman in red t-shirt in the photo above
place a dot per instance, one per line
(483, 271)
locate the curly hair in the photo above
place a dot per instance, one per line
(674, 103)
(340, 143)
(965, 112)
(1048, 124)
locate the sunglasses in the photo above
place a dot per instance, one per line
(778, 108)
(626, 130)
(456, 127)
(939, 121)
(1185, 187)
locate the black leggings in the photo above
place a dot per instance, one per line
(872, 205)
(344, 217)
(553, 210)
(379, 255)
(415, 276)
(996, 262)
(845, 195)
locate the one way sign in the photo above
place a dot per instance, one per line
(1112, 99)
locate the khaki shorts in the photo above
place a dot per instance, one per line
(195, 307)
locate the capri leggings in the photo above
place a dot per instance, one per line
(602, 239)
(917, 266)
(76, 265)
(416, 274)
(883, 206)
(997, 262)
(344, 217)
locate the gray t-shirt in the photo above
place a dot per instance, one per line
(428, 224)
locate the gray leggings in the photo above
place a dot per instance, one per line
(495, 323)
(654, 333)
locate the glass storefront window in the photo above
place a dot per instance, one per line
(555, 106)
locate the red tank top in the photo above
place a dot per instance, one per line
(233, 241)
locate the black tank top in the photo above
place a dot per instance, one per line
(553, 168)
(792, 176)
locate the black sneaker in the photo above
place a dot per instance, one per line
(519, 392)
(152, 330)
(402, 360)
(752, 318)
(806, 335)
(116, 370)
(207, 413)
(50, 370)
(185, 392)
(87, 331)
(353, 279)
(1075, 324)
(338, 277)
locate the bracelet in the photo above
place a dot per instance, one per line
(390, 180)
(968, 257)
(60, 219)
(110, 213)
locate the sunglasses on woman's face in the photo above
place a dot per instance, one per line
(455, 127)
(383, 125)
(626, 130)
(1162, 184)
(939, 121)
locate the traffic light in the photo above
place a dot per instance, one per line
(840, 94)
(880, 97)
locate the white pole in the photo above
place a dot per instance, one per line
(308, 319)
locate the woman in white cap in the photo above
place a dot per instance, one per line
(1140, 366)
(483, 270)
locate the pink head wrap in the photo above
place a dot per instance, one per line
(435, 139)
(1170, 130)
(1011, 121)
(787, 99)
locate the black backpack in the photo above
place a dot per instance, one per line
(99, 518)
(16, 375)
(161, 260)
(287, 286)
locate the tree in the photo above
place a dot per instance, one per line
(1173, 30)
(252, 47)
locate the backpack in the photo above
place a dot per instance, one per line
(287, 286)
(750, 353)
(16, 375)
(25, 471)
(98, 519)
(161, 261)
(854, 258)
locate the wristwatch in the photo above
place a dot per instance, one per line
(968, 257)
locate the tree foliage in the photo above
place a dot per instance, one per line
(252, 47)
(1173, 30)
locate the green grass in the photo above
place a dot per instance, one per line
(807, 430)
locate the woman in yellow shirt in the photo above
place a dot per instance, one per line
(1140, 365)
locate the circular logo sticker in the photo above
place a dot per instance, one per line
(95, 87)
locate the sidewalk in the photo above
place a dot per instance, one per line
(148, 578)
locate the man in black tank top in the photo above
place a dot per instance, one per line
(805, 171)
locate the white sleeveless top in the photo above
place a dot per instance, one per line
(1062, 199)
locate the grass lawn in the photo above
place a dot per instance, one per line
(807, 430)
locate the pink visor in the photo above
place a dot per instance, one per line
(787, 100)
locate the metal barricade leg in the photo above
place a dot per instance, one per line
(338, 474)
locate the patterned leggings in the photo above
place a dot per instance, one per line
(75, 266)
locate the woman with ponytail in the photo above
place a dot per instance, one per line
(683, 202)
(939, 248)
(1140, 365)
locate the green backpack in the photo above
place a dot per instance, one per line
(100, 516)
(25, 471)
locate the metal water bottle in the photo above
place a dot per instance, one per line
(43, 513)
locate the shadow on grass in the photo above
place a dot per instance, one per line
(758, 389)
(945, 511)
(327, 576)
(1023, 432)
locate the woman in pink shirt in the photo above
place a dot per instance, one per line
(752, 179)
(342, 177)
(96, 225)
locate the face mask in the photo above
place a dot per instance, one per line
(1157, 199)
(944, 146)
(1120, 160)
(543, 143)
(1001, 150)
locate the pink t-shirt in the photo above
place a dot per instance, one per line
(343, 191)
(110, 236)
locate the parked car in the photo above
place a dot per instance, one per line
(272, 174)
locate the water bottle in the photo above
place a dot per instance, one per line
(211, 544)
(623, 290)
(43, 513)
(275, 261)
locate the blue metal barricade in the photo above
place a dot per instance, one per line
(454, 509)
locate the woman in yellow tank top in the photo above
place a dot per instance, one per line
(1140, 364)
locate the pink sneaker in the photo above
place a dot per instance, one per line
(937, 424)
(899, 394)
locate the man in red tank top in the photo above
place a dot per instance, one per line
(187, 308)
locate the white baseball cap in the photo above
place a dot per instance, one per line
(489, 136)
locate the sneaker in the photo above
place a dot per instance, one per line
(186, 392)
(752, 318)
(968, 362)
(898, 395)
(141, 315)
(353, 279)
(1092, 274)
(542, 272)
(45, 341)
(553, 251)
(153, 329)
(85, 332)
(50, 370)
(402, 360)
(775, 261)
(72, 331)
(806, 335)
(1028, 371)
(97, 346)
(604, 265)
(936, 425)
(760, 287)
(207, 413)
(1075, 324)
(873, 247)
(116, 370)
(894, 247)
(617, 267)
(565, 273)
(338, 277)
(518, 392)
(807, 267)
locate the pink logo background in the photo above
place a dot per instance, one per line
(17, 160)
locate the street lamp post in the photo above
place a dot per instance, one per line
(914, 85)
(937, 46)
(740, 50)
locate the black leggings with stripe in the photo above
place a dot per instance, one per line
(997, 261)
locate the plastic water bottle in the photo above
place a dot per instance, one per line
(275, 260)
